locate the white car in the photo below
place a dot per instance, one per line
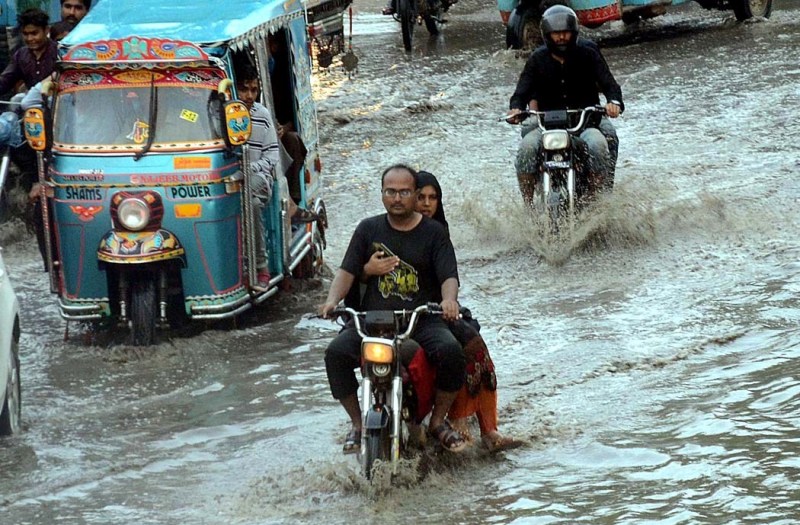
(10, 393)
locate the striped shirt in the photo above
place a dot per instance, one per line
(263, 152)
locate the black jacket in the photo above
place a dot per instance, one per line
(575, 84)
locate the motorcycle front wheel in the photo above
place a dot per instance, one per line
(405, 11)
(378, 447)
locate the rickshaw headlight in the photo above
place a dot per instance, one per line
(134, 214)
(555, 139)
(377, 351)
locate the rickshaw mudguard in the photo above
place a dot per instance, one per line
(376, 419)
(139, 247)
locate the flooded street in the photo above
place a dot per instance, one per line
(651, 360)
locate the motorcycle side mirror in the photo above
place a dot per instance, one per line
(36, 132)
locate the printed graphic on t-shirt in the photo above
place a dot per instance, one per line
(402, 282)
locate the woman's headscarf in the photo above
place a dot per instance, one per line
(425, 178)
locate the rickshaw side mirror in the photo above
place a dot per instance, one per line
(36, 132)
(237, 123)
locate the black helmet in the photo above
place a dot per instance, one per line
(559, 18)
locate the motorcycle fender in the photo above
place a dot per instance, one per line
(376, 419)
(123, 247)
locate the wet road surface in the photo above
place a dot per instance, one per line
(650, 360)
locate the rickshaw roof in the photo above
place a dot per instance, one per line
(187, 20)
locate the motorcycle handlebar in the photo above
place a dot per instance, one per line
(525, 113)
(430, 308)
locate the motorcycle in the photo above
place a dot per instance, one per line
(416, 12)
(390, 402)
(561, 187)
(10, 138)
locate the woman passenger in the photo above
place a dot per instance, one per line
(479, 394)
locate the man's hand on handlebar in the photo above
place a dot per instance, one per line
(449, 309)
(515, 116)
(612, 110)
(326, 308)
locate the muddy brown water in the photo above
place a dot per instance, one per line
(650, 360)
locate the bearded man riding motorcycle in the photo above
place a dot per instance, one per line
(565, 73)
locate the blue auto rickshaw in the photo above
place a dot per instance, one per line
(141, 147)
(522, 27)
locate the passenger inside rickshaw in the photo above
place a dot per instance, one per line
(297, 214)
(281, 80)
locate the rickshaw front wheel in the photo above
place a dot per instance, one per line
(746, 9)
(144, 310)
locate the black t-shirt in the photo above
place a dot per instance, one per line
(427, 259)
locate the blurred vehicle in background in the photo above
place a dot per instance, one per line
(522, 27)
(10, 392)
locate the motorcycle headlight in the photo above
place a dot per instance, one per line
(555, 139)
(381, 370)
(134, 214)
(376, 350)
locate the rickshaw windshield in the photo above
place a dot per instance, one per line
(113, 108)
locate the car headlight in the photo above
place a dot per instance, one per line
(555, 139)
(134, 214)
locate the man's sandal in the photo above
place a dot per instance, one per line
(352, 441)
(450, 438)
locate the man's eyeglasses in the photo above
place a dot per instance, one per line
(392, 193)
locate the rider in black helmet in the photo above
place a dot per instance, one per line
(565, 73)
(559, 18)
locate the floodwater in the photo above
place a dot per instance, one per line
(651, 360)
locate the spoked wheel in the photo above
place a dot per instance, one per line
(11, 414)
(144, 310)
(378, 446)
(407, 15)
(745, 9)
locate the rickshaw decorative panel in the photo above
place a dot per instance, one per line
(135, 49)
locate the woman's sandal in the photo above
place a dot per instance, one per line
(352, 441)
(449, 437)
